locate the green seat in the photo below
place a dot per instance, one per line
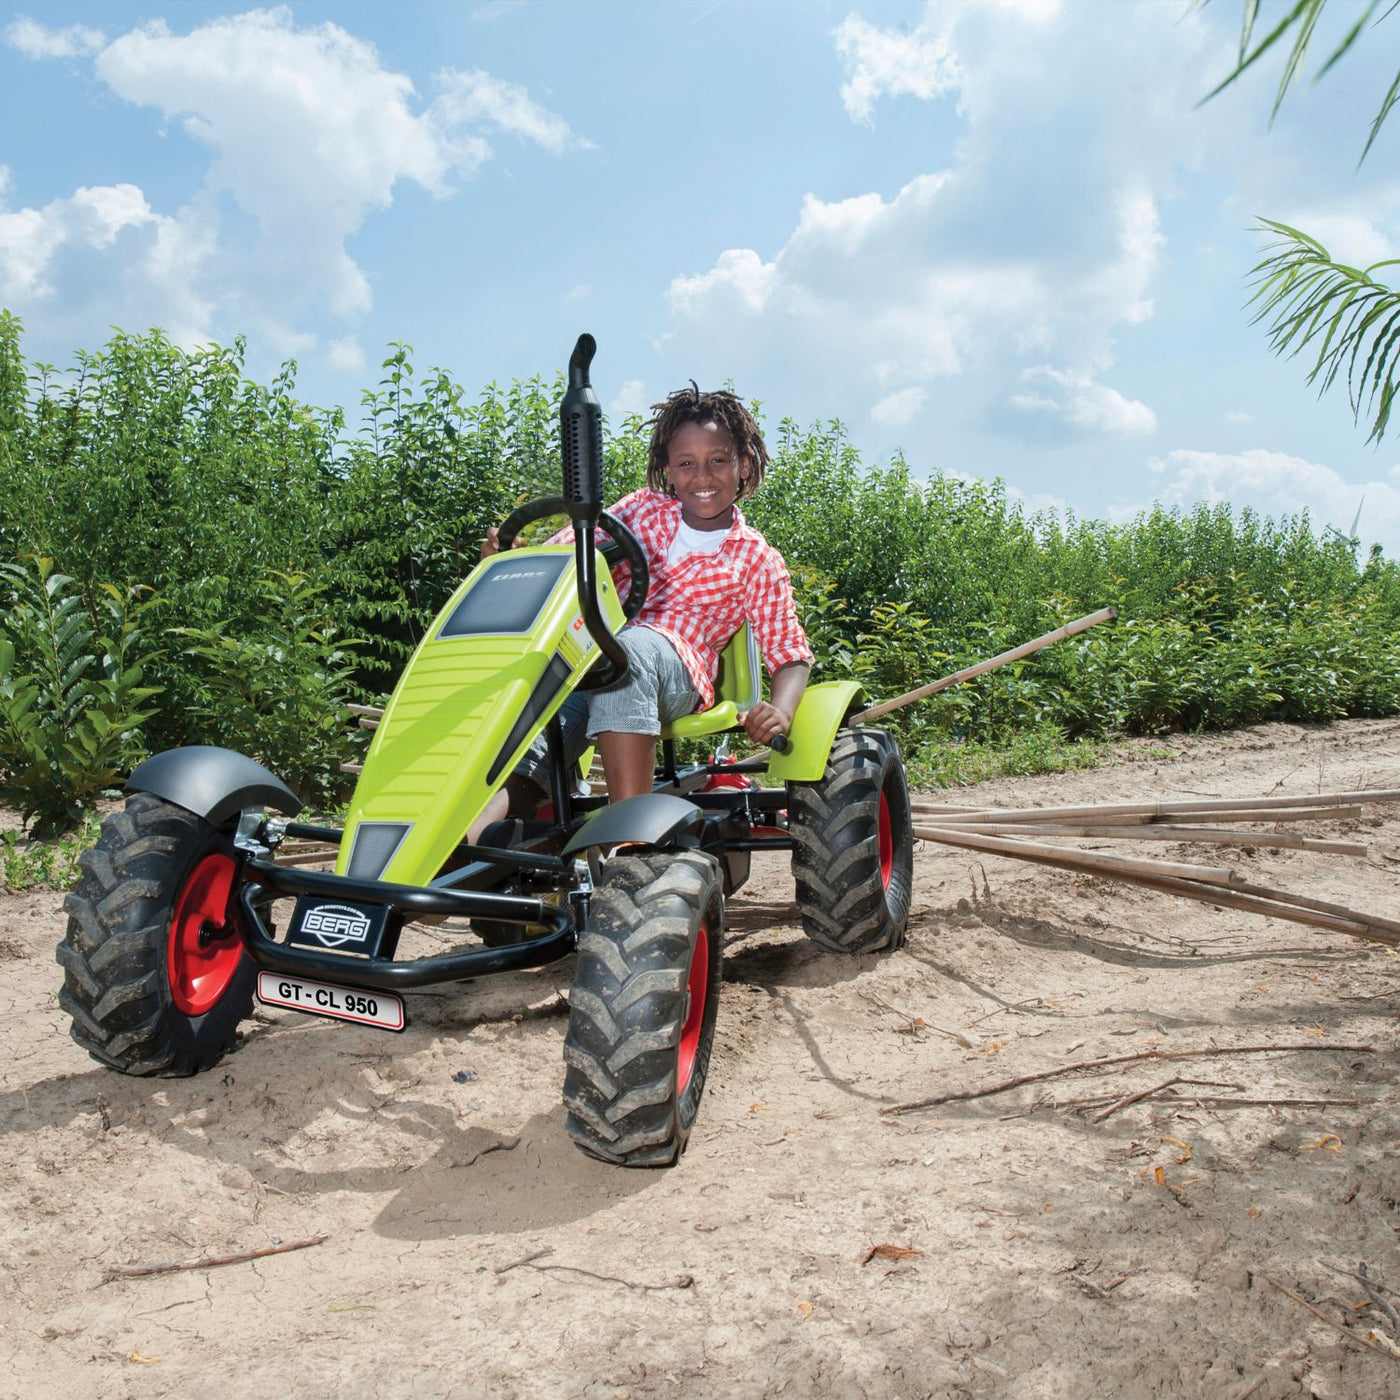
(737, 688)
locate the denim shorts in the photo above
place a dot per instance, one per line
(656, 690)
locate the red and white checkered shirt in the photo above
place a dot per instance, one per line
(699, 602)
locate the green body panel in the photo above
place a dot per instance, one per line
(819, 716)
(433, 764)
(736, 690)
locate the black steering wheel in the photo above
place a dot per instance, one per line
(622, 548)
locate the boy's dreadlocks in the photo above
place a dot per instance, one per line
(717, 406)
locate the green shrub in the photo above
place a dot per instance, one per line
(278, 695)
(72, 700)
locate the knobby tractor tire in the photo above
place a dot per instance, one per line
(853, 846)
(643, 1005)
(156, 979)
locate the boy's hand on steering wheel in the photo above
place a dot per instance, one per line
(764, 721)
(492, 543)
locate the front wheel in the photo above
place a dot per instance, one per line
(853, 846)
(156, 978)
(643, 1005)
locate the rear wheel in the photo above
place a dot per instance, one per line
(853, 846)
(643, 1005)
(156, 978)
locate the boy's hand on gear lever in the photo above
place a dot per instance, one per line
(764, 721)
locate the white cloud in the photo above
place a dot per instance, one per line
(140, 264)
(35, 41)
(900, 408)
(1239, 416)
(470, 98)
(345, 355)
(1037, 242)
(884, 63)
(1082, 402)
(579, 292)
(739, 278)
(1349, 237)
(1275, 484)
(308, 133)
(632, 397)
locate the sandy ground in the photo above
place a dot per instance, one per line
(471, 1249)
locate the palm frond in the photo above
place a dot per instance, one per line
(1352, 320)
(1301, 21)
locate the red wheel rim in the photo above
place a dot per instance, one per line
(200, 969)
(696, 988)
(886, 835)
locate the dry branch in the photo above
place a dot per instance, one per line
(1210, 1052)
(212, 1261)
(1318, 1313)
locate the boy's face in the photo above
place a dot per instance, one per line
(704, 471)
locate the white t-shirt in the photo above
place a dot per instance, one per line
(692, 541)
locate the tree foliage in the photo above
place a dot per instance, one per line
(1305, 297)
(192, 557)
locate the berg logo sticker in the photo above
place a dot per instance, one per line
(336, 924)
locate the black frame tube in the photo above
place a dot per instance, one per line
(392, 976)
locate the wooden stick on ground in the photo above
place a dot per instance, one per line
(1153, 831)
(1090, 861)
(1255, 899)
(1318, 1313)
(212, 1261)
(1279, 906)
(1096, 811)
(1050, 816)
(1209, 1052)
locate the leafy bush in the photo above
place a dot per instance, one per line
(71, 698)
(270, 532)
(278, 695)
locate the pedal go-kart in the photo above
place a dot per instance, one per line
(171, 933)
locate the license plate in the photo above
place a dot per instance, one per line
(382, 1009)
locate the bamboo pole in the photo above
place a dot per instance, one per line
(1254, 899)
(1359, 926)
(1079, 860)
(1070, 629)
(1322, 906)
(306, 857)
(1128, 820)
(1095, 811)
(1207, 836)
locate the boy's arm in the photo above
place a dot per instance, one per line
(773, 615)
(770, 717)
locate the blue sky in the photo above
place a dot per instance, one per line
(1001, 237)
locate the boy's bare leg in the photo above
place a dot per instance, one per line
(628, 763)
(518, 798)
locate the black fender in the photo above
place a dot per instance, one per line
(653, 818)
(215, 784)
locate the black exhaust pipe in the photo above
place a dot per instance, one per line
(581, 442)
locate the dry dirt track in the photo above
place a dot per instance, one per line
(1054, 1258)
